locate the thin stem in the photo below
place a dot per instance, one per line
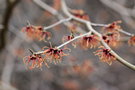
(77, 37)
(126, 33)
(99, 25)
(105, 25)
(57, 23)
(60, 46)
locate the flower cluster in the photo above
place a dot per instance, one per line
(90, 41)
(49, 54)
(105, 55)
(36, 32)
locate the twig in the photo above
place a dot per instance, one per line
(57, 23)
(60, 46)
(120, 30)
(57, 14)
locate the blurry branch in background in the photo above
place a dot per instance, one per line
(88, 25)
(11, 55)
(54, 12)
(10, 5)
(125, 13)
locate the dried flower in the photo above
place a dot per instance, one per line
(112, 38)
(105, 55)
(34, 61)
(131, 41)
(90, 41)
(36, 32)
(113, 27)
(54, 54)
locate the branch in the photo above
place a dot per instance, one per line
(57, 23)
(88, 24)
(8, 13)
(57, 14)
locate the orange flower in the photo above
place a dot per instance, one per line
(105, 55)
(131, 41)
(80, 14)
(89, 41)
(112, 38)
(34, 61)
(36, 32)
(54, 54)
(69, 37)
(113, 27)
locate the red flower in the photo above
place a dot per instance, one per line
(131, 41)
(80, 14)
(36, 32)
(67, 38)
(34, 61)
(113, 27)
(112, 39)
(105, 55)
(90, 41)
(54, 54)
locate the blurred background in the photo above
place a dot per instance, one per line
(81, 70)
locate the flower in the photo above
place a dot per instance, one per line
(113, 27)
(105, 55)
(112, 38)
(90, 41)
(80, 14)
(36, 32)
(69, 37)
(54, 54)
(131, 41)
(34, 61)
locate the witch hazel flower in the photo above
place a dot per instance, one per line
(105, 55)
(80, 14)
(89, 41)
(36, 32)
(34, 61)
(69, 37)
(55, 54)
(113, 27)
(112, 38)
